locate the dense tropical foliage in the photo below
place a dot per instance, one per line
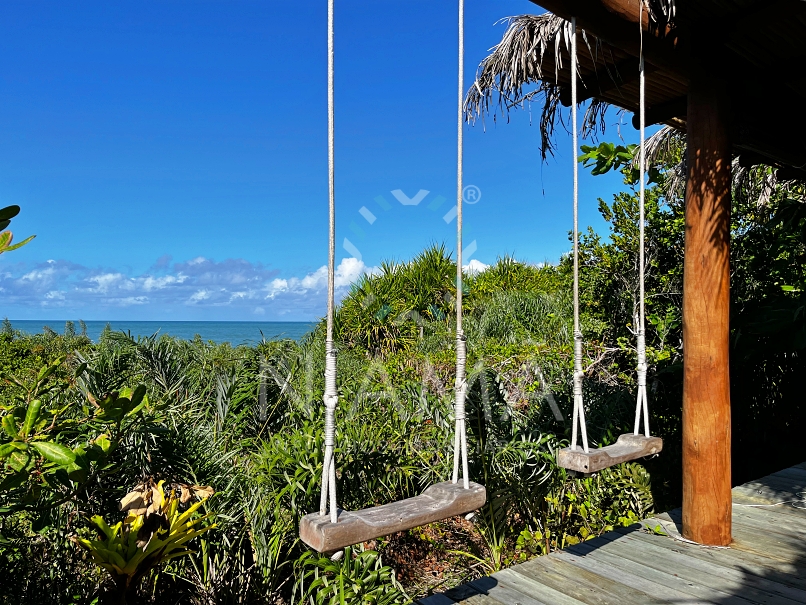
(106, 446)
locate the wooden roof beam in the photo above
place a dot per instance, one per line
(664, 112)
(606, 79)
(614, 22)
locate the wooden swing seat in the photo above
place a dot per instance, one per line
(628, 447)
(440, 501)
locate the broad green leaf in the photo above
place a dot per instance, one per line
(77, 473)
(54, 452)
(20, 245)
(31, 416)
(80, 469)
(103, 442)
(104, 527)
(48, 370)
(9, 212)
(18, 460)
(6, 449)
(5, 239)
(138, 394)
(10, 426)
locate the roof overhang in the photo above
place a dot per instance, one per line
(757, 46)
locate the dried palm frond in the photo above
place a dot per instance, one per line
(667, 147)
(526, 64)
(519, 62)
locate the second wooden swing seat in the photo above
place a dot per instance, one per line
(628, 447)
(437, 502)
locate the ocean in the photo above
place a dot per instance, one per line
(233, 332)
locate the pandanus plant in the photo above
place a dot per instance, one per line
(159, 524)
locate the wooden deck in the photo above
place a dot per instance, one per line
(765, 564)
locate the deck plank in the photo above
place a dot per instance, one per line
(526, 586)
(749, 540)
(715, 587)
(655, 590)
(785, 534)
(581, 583)
(790, 572)
(499, 588)
(662, 577)
(722, 566)
(765, 565)
(773, 518)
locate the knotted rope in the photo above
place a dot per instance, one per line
(579, 409)
(331, 398)
(460, 434)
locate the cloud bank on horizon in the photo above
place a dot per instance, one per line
(197, 289)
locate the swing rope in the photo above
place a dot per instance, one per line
(642, 405)
(331, 398)
(579, 409)
(460, 433)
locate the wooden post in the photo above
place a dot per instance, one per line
(706, 311)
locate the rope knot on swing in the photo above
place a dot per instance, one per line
(641, 368)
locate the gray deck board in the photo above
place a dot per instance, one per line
(766, 564)
(722, 567)
(509, 589)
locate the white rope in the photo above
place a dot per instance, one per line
(641, 406)
(579, 410)
(331, 397)
(460, 433)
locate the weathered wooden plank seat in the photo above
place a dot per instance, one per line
(627, 447)
(439, 501)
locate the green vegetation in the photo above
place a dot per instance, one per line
(143, 425)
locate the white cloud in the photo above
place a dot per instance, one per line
(347, 273)
(105, 281)
(474, 267)
(232, 286)
(44, 275)
(199, 296)
(158, 283)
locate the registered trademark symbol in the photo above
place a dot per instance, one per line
(471, 194)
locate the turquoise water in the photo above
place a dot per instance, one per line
(234, 332)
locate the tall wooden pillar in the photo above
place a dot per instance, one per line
(706, 310)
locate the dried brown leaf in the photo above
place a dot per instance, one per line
(134, 499)
(202, 491)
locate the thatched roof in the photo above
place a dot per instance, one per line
(756, 38)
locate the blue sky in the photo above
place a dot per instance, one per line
(171, 156)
